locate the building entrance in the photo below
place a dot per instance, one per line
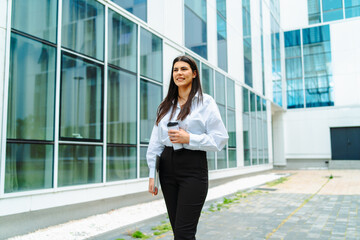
(345, 143)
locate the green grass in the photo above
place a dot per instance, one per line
(276, 182)
(138, 234)
(163, 228)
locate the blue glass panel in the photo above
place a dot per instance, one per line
(316, 34)
(221, 7)
(220, 88)
(198, 8)
(207, 78)
(295, 93)
(292, 38)
(231, 128)
(314, 11)
(331, 4)
(195, 33)
(36, 18)
(230, 93)
(352, 12)
(333, 15)
(245, 100)
(136, 7)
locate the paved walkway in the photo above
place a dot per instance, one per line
(311, 204)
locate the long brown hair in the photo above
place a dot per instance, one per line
(171, 99)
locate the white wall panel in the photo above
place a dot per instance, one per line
(345, 53)
(156, 15)
(212, 32)
(235, 41)
(174, 21)
(256, 45)
(169, 54)
(239, 125)
(293, 14)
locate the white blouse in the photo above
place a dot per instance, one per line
(204, 125)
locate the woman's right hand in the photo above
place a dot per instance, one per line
(151, 187)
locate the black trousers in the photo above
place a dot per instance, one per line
(184, 183)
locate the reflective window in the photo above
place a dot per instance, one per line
(150, 55)
(150, 98)
(207, 78)
(317, 67)
(28, 167)
(246, 127)
(231, 124)
(293, 64)
(195, 26)
(253, 129)
(144, 169)
(136, 7)
(276, 61)
(211, 160)
(121, 163)
(37, 18)
(332, 10)
(83, 27)
(352, 8)
(221, 159)
(31, 105)
(259, 129)
(265, 134)
(221, 34)
(232, 158)
(314, 14)
(79, 164)
(231, 128)
(121, 107)
(262, 49)
(122, 47)
(220, 88)
(247, 42)
(230, 93)
(81, 99)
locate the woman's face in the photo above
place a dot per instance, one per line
(183, 74)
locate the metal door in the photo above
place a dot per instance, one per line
(345, 143)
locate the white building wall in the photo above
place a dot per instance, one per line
(267, 50)
(211, 32)
(293, 14)
(156, 15)
(345, 56)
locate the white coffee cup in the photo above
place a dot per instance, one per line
(175, 126)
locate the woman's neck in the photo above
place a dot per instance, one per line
(183, 93)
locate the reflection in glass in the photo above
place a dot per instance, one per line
(314, 11)
(121, 163)
(231, 126)
(122, 42)
(28, 167)
(222, 111)
(220, 88)
(253, 130)
(230, 93)
(352, 8)
(136, 7)
(221, 34)
(150, 98)
(207, 78)
(247, 42)
(150, 55)
(246, 127)
(31, 90)
(121, 112)
(144, 169)
(79, 164)
(221, 159)
(81, 99)
(211, 160)
(37, 18)
(276, 61)
(83, 27)
(195, 27)
(232, 158)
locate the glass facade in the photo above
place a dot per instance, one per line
(332, 10)
(254, 129)
(136, 7)
(196, 26)
(247, 42)
(221, 34)
(276, 61)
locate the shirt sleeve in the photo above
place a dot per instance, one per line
(215, 136)
(155, 148)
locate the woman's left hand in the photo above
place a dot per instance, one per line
(179, 136)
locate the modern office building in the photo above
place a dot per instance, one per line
(81, 81)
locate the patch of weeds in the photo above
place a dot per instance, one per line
(119, 239)
(331, 176)
(163, 228)
(277, 181)
(138, 234)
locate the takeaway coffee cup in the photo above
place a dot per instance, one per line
(175, 126)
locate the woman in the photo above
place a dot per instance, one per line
(184, 173)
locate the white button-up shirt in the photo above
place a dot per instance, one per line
(204, 125)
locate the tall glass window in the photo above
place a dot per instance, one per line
(247, 42)
(81, 99)
(265, 131)
(121, 107)
(28, 167)
(352, 8)
(195, 26)
(136, 7)
(259, 130)
(314, 14)
(31, 105)
(262, 48)
(231, 124)
(122, 42)
(144, 169)
(221, 34)
(317, 66)
(253, 130)
(246, 127)
(276, 61)
(150, 55)
(121, 163)
(150, 98)
(332, 10)
(293, 64)
(207, 78)
(37, 18)
(220, 94)
(79, 164)
(83, 27)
